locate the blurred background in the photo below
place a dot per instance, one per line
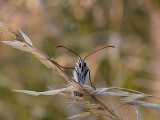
(132, 26)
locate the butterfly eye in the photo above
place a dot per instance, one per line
(80, 65)
(84, 64)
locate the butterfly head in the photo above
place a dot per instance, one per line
(81, 64)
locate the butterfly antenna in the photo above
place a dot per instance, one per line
(98, 50)
(69, 50)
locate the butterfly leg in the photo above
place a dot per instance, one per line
(90, 80)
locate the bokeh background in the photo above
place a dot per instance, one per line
(132, 26)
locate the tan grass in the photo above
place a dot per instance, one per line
(91, 100)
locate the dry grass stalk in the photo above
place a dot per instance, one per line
(95, 105)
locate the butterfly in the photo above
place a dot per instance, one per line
(81, 72)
